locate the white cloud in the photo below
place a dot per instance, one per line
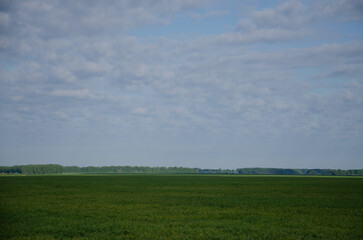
(210, 14)
(4, 19)
(262, 35)
(71, 93)
(294, 14)
(346, 9)
(56, 19)
(139, 111)
(287, 15)
(289, 21)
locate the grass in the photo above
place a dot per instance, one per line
(180, 207)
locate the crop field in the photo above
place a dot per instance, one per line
(180, 207)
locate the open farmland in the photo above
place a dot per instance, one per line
(180, 207)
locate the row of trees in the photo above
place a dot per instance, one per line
(292, 171)
(33, 169)
(217, 171)
(57, 169)
(129, 169)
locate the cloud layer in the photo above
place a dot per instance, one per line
(284, 89)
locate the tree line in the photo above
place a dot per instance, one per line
(59, 169)
(128, 169)
(33, 169)
(292, 171)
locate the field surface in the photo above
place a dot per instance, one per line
(180, 207)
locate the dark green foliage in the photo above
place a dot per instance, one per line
(180, 207)
(33, 169)
(41, 169)
(13, 169)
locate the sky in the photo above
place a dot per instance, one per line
(205, 84)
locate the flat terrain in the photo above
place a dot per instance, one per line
(180, 207)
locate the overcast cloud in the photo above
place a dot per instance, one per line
(211, 84)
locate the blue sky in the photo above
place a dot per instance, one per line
(210, 84)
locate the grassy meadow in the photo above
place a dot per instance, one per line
(180, 207)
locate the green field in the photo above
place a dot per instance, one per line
(180, 207)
